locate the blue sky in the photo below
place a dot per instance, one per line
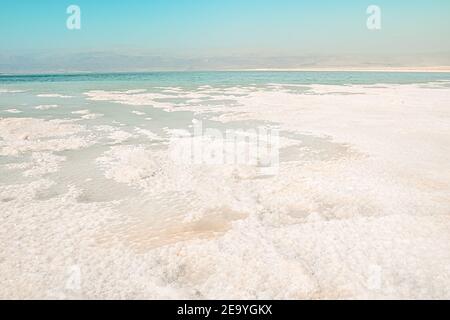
(189, 33)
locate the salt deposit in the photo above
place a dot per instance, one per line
(359, 207)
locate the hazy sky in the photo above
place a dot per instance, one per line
(118, 35)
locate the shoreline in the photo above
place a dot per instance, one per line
(441, 69)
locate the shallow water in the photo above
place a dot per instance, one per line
(358, 206)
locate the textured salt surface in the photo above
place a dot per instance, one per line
(359, 208)
(46, 107)
(53, 95)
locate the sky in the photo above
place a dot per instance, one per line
(141, 35)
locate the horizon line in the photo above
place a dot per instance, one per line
(433, 69)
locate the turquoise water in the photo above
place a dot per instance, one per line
(76, 85)
(22, 92)
(231, 78)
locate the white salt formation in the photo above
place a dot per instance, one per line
(359, 207)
